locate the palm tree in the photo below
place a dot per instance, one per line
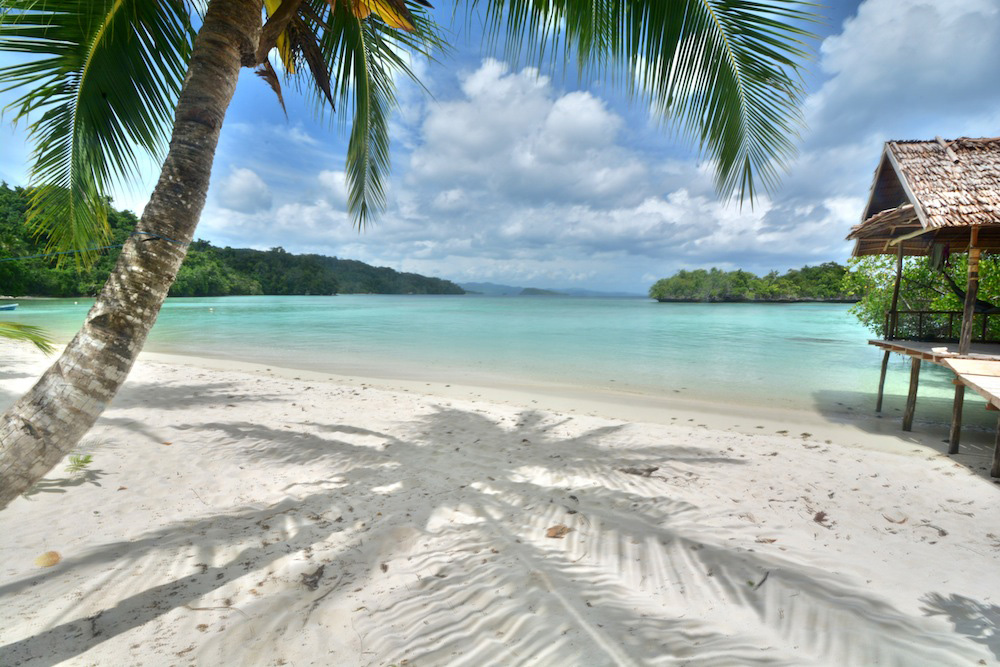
(107, 79)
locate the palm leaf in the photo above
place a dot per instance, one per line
(26, 332)
(727, 71)
(348, 54)
(101, 81)
(273, 34)
(364, 56)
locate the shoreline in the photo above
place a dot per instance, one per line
(853, 430)
(241, 514)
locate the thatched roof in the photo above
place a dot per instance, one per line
(932, 192)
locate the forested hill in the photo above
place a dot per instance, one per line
(810, 283)
(207, 271)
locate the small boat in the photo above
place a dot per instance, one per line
(9, 306)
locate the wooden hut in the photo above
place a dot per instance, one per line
(936, 198)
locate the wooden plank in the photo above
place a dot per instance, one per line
(947, 149)
(911, 397)
(955, 435)
(974, 367)
(881, 381)
(917, 208)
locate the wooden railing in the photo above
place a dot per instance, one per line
(937, 325)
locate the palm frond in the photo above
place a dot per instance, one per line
(273, 35)
(727, 71)
(348, 52)
(101, 81)
(364, 57)
(26, 332)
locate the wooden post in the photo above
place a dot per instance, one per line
(965, 340)
(995, 470)
(893, 309)
(971, 290)
(881, 381)
(911, 398)
(955, 435)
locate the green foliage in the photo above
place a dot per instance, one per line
(207, 270)
(28, 333)
(78, 463)
(41, 276)
(101, 80)
(872, 279)
(810, 283)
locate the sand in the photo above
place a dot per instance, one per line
(236, 515)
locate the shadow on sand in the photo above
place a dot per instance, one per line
(642, 576)
(931, 423)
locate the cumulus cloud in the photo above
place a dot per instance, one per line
(333, 185)
(513, 136)
(905, 69)
(244, 191)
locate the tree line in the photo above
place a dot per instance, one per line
(810, 283)
(924, 286)
(207, 270)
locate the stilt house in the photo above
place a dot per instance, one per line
(938, 198)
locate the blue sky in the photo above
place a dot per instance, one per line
(507, 176)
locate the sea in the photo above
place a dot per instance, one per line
(800, 356)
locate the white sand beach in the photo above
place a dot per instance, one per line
(248, 516)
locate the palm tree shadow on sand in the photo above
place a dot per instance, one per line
(430, 545)
(978, 621)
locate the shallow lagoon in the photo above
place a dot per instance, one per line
(811, 356)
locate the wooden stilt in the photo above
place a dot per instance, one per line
(956, 419)
(894, 307)
(971, 289)
(911, 398)
(995, 470)
(965, 340)
(881, 381)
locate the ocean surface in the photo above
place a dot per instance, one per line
(798, 356)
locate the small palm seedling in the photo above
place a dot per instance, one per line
(78, 463)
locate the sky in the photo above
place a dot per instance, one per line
(505, 174)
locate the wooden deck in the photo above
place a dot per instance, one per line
(938, 353)
(984, 378)
(978, 369)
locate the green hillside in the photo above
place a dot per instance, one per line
(207, 270)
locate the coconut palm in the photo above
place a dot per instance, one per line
(105, 81)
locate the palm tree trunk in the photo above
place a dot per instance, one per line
(47, 422)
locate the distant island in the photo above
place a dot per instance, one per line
(810, 283)
(496, 289)
(534, 291)
(207, 271)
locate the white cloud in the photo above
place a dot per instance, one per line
(333, 185)
(907, 69)
(512, 135)
(244, 191)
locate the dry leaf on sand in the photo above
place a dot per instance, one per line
(558, 531)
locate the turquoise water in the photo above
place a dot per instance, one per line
(802, 356)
